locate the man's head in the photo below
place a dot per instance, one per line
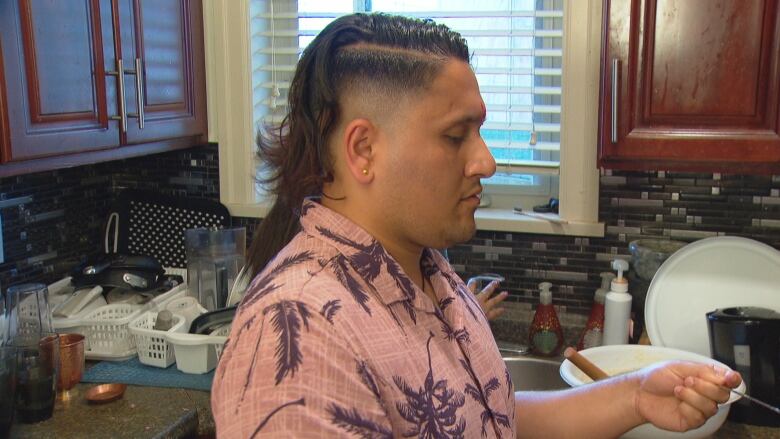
(384, 122)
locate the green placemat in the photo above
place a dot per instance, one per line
(133, 372)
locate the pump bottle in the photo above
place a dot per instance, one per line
(617, 307)
(545, 336)
(593, 334)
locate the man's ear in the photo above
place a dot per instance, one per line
(359, 137)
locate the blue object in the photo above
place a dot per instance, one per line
(133, 372)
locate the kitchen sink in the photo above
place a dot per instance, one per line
(535, 374)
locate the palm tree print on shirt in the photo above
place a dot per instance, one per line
(268, 417)
(339, 267)
(431, 409)
(352, 420)
(330, 309)
(356, 423)
(476, 395)
(265, 285)
(368, 262)
(286, 319)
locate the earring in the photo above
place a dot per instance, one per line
(365, 171)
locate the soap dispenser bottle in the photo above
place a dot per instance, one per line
(617, 307)
(593, 334)
(545, 336)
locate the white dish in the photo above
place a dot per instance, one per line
(618, 359)
(703, 276)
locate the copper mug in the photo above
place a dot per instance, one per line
(71, 360)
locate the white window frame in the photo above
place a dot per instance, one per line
(229, 94)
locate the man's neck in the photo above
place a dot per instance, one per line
(407, 255)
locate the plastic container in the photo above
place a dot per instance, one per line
(187, 307)
(617, 307)
(214, 259)
(152, 345)
(593, 334)
(545, 336)
(107, 330)
(647, 255)
(196, 353)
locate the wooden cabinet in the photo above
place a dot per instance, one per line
(99, 76)
(691, 85)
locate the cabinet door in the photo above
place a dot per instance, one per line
(166, 37)
(54, 78)
(691, 85)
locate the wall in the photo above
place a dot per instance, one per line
(51, 220)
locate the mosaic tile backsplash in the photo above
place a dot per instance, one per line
(52, 219)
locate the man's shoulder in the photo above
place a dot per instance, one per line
(299, 272)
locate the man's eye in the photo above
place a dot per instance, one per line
(456, 140)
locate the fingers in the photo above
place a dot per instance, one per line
(690, 416)
(495, 300)
(702, 390)
(472, 285)
(695, 407)
(487, 291)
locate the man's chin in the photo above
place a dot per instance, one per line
(461, 234)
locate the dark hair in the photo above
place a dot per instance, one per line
(363, 52)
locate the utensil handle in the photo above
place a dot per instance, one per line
(590, 369)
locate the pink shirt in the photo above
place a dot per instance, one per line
(333, 339)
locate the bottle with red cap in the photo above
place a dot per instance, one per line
(545, 336)
(593, 334)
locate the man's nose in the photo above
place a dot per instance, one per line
(482, 164)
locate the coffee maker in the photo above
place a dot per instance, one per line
(747, 339)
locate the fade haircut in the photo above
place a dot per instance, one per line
(360, 53)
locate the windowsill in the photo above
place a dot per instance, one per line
(249, 210)
(494, 219)
(506, 220)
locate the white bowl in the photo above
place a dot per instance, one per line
(618, 359)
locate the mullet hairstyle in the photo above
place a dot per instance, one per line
(358, 52)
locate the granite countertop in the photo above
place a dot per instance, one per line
(154, 412)
(143, 412)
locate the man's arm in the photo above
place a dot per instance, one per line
(674, 396)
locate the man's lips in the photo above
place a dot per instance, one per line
(474, 196)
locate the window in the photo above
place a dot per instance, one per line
(518, 48)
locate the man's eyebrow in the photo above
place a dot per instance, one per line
(468, 119)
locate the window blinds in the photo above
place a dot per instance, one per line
(517, 53)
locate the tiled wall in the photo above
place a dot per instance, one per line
(633, 205)
(50, 219)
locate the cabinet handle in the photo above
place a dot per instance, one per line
(139, 92)
(615, 76)
(120, 79)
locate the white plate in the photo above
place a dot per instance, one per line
(703, 276)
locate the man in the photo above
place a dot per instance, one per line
(357, 328)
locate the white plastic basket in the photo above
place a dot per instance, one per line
(186, 306)
(222, 331)
(107, 334)
(152, 345)
(107, 331)
(196, 353)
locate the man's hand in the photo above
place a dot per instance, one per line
(681, 396)
(489, 304)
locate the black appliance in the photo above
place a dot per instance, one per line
(747, 339)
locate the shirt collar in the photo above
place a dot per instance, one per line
(365, 254)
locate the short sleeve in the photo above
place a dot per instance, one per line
(286, 372)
